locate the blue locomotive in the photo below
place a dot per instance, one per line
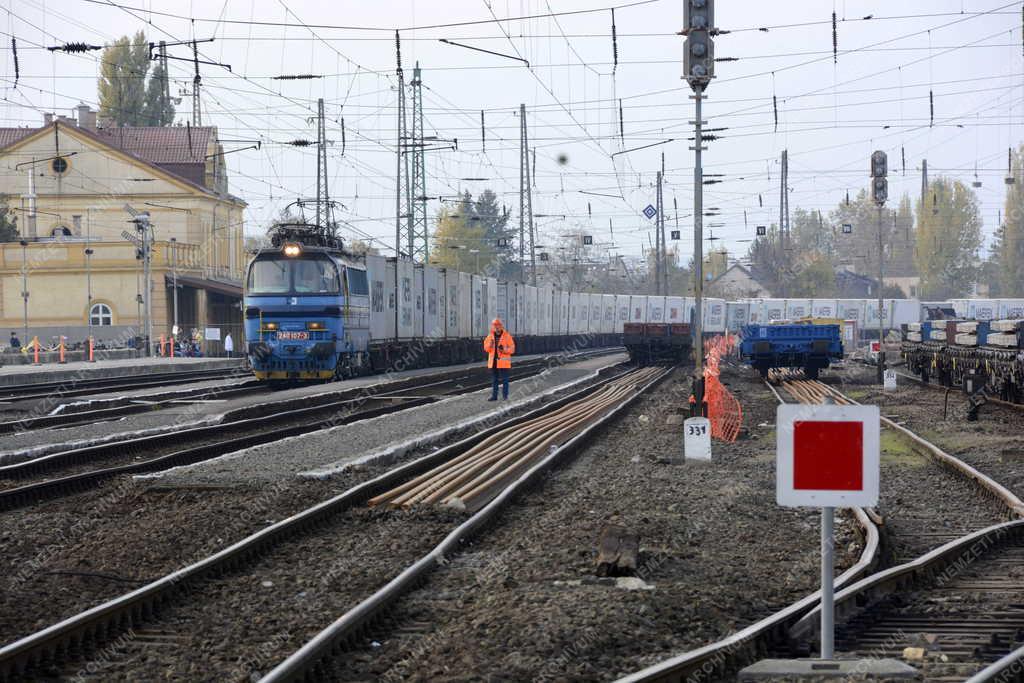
(306, 308)
(808, 346)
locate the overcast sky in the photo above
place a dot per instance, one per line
(830, 116)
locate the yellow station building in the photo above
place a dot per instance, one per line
(72, 186)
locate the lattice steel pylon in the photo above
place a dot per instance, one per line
(324, 217)
(526, 241)
(403, 221)
(419, 238)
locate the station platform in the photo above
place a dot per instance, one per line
(125, 367)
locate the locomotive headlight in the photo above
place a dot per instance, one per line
(315, 325)
(292, 250)
(270, 327)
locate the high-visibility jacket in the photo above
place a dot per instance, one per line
(499, 349)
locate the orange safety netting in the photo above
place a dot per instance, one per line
(724, 411)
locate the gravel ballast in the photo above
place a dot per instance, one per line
(523, 603)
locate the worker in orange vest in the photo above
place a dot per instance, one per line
(499, 346)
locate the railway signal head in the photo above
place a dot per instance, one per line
(879, 169)
(879, 164)
(879, 190)
(699, 48)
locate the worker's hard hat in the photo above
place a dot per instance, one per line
(496, 324)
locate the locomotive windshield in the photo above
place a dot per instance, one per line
(284, 275)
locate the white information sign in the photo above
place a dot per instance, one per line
(889, 380)
(827, 455)
(697, 438)
(212, 334)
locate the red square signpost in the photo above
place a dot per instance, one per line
(827, 458)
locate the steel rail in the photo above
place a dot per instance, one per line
(305, 661)
(98, 623)
(126, 406)
(746, 645)
(959, 387)
(1009, 669)
(345, 412)
(84, 387)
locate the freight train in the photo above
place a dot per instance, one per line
(972, 354)
(316, 312)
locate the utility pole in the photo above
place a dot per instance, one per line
(525, 200)
(167, 79)
(321, 168)
(197, 115)
(419, 240)
(658, 236)
(698, 69)
(24, 290)
(880, 192)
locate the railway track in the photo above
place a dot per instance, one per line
(861, 592)
(209, 597)
(113, 409)
(960, 389)
(78, 470)
(84, 387)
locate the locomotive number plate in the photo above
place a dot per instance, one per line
(292, 336)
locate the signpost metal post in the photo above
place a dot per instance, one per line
(880, 192)
(698, 70)
(828, 457)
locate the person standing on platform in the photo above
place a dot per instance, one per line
(499, 346)
(229, 345)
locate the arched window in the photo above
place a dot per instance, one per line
(60, 232)
(100, 314)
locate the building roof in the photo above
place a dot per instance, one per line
(178, 150)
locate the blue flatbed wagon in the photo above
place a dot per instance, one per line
(807, 346)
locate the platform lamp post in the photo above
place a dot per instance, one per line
(24, 290)
(698, 70)
(880, 192)
(174, 285)
(88, 296)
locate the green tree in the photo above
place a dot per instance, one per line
(948, 237)
(1007, 259)
(8, 223)
(459, 243)
(157, 109)
(125, 99)
(814, 277)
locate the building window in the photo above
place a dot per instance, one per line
(100, 314)
(60, 232)
(59, 165)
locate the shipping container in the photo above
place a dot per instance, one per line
(823, 308)
(406, 304)
(465, 306)
(433, 294)
(714, 316)
(655, 309)
(621, 311)
(675, 310)
(737, 315)
(1011, 309)
(608, 320)
(382, 310)
(983, 309)
(797, 309)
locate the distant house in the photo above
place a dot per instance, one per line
(851, 285)
(737, 283)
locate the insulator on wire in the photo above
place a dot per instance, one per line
(17, 70)
(342, 136)
(835, 40)
(295, 77)
(74, 47)
(622, 128)
(301, 143)
(903, 158)
(760, 201)
(483, 135)
(589, 212)
(615, 44)
(775, 109)
(931, 108)
(398, 50)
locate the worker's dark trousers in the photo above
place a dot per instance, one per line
(499, 374)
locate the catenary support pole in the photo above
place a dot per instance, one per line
(827, 588)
